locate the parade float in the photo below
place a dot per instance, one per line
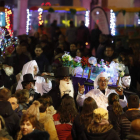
(88, 68)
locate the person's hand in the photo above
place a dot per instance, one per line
(31, 98)
(119, 90)
(45, 73)
(81, 88)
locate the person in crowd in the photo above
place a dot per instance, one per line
(46, 120)
(95, 34)
(100, 128)
(103, 39)
(64, 117)
(7, 73)
(131, 114)
(31, 129)
(15, 105)
(24, 47)
(82, 34)
(109, 54)
(82, 121)
(100, 92)
(123, 58)
(23, 99)
(119, 48)
(58, 52)
(79, 52)
(114, 109)
(64, 86)
(28, 83)
(41, 85)
(116, 59)
(40, 58)
(71, 33)
(73, 49)
(134, 130)
(19, 60)
(6, 111)
(3, 131)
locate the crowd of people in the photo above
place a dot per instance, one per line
(38, 99)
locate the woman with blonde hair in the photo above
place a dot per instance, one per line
(100, 128)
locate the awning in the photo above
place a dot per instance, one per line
(133, 9)
(63, 8)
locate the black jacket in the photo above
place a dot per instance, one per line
(124, 122)
(56, 96)
(10, 117)
(42, 61)
(36, 135)
(78, 130)
(109, 135)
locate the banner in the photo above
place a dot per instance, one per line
(100, 18)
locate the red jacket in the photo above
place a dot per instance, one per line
(63, 130)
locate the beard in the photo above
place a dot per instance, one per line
(9, 71)
(66, 88)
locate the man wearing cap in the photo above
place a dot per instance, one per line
(100, 92)
(64, 86)
(29, 84)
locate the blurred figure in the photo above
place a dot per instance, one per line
(82, 34)
(79, 53)
(71, 33)
(73, 49)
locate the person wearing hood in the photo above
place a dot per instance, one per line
(100, 128)
(100, 92)
(10, 117)
(41, 85)
(3, 131)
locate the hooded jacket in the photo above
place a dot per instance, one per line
(10, 117)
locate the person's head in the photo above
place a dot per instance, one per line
(38, 50)
(73, 47)
(113, 99)
(5, 94)
(48, 99)
(126, 80)
(67, 109)
(61, 38)
(24, 47)
(102, 81)
(118, 43)
(22, 96)
(71, 24)
(28, 85)
(135, 127)
(109, 51)
(61, 46)
(79, 52)
(103, 38)
(43, 105)
(82, 23)
(116, 59)
(100, 123)
(14, 102)
(29, 123)
(133, 101)
(131, 60)
(86, 115)
(36, 35)
(19, 49)
(44, 37)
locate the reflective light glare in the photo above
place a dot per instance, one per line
(112, 22)
(87, 18)
(97, 12)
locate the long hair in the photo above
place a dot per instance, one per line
(33, 120)
(113, 99)
(67, 110)
(86, 115)
(2, 122)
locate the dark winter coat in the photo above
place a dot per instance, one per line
(10, 117)
(124, 122)
(78, 130)
(109, 135)
(8, 80)
(5, 134)
(42, 61)
(36, 135)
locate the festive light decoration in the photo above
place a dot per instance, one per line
(40, 11)
(112, 22)
(46, 4)
(8, 26)
(87, 18)
(28, 21)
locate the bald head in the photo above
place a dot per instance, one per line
(135, 127)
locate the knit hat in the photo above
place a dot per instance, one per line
(102, 112)
(34, 109)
